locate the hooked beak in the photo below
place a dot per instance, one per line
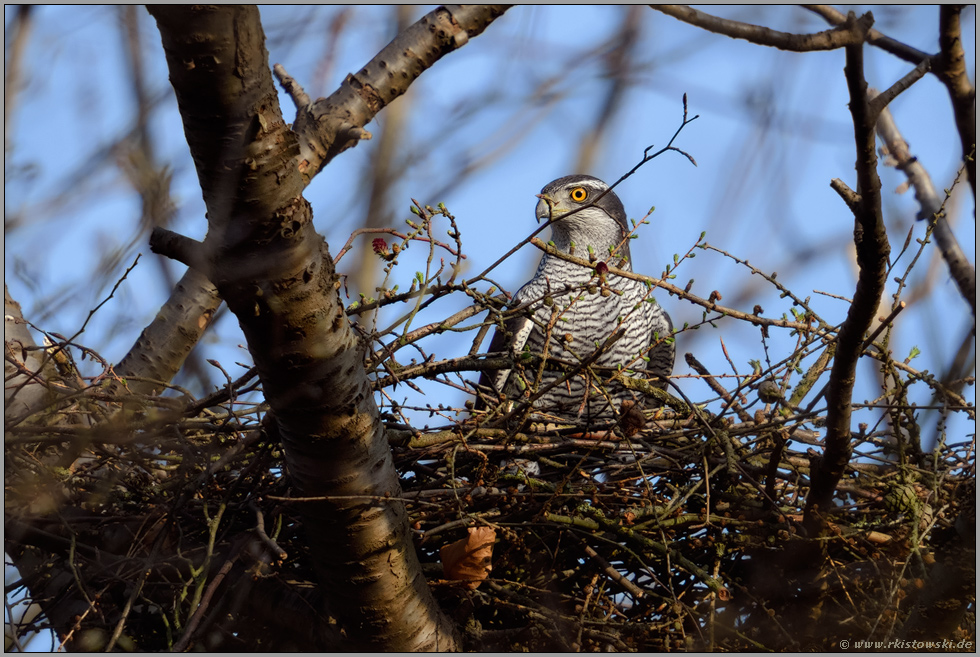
(543, 209)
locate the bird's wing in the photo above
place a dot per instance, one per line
(511, 338)
(661, 361)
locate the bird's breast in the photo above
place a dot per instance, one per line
(578, 315)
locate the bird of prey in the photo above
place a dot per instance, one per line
(575, 314)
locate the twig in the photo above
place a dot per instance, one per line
(879, 102)
(647, 157)
(931, 208)
(117, 631)
(106, 300)
(874, 37)
(885, 322)
(295, 90)
(771, 279)
(183, 249)
(676, 291)
(13, 626)
(331, 125)
(263, 536)
(608, 568)
(696, 365)
(848, 195)
(391, 231)
(849, 32)
(203, 605)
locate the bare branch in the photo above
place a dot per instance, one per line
(881, 101)
(849, 196)
(676, 291)
(952, 71)
(332, 125)
(874, 37)
(960, 268)
(175, 246)
(20, 29)
(948, 65)
(295, 90)
(163, 346)
(849, 32)
(871, 243)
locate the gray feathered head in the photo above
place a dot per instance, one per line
(582, 214)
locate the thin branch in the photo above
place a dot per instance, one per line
(719, 390)
(874, 37)
(609, 569)
(676, 291)
(952, 71)
(331, 125)
(117, 631)
(175, 246)
(20, 27)
(848, 195)
(960, 268)
(882, 100)
(112, 293)
(202, 607)
(647, 157)
(849, 32)
(263, 536)
(884, 323)
(295, 90)
(396, 233)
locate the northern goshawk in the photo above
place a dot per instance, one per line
(575, 314)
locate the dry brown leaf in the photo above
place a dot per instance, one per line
(469, 558)
(631, 418)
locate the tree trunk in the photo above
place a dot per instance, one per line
(275, 273)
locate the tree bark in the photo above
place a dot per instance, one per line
(164, 345)
(274, 271)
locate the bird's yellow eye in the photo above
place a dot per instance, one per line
(579, 194)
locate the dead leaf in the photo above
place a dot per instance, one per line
(631, 418)
(468, 559)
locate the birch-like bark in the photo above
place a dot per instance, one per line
(274, 271)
